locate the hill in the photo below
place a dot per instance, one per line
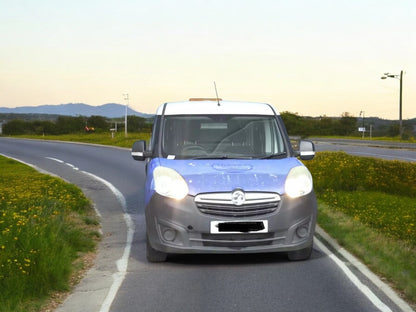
(110, 110)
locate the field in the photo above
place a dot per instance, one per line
(46, 224)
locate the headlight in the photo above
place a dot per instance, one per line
(298, 182)
(169, 183)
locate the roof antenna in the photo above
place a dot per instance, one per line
(216, 92)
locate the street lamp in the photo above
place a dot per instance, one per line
(126, 98)
(363, 127)
(400, 77)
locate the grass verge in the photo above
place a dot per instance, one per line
(46, 224)
(96, 138)
(359, 137)
(390, 258)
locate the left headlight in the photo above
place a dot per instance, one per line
(298, 182)
(169, 183)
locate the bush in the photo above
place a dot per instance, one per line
(342, 172)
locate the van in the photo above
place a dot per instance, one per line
(222, 177)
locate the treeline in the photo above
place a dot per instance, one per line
(346, 125)
(308, 126)
(69, 124)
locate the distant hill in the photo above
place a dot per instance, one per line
(110, 110)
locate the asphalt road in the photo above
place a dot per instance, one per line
(122, 279)
(385, 150)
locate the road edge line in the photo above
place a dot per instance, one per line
(386, 289)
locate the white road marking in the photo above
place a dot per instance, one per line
(55, 159)
(388, 291)
(354, 279)
(62, 162)
(123, 262)
(72, 166)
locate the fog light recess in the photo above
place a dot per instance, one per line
(302, 231)
(169, 235)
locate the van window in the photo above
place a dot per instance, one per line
(228, 136)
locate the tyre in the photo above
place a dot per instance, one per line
(302, 254)
(154, 255)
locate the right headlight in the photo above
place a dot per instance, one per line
(169, 183)
(298, 182)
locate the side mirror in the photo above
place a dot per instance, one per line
(138, 151)
(306, 150)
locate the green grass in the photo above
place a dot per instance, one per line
(119, 138)
(393, 259)
(339, 171)
(367, 137)
(43, 230)
(394, 216)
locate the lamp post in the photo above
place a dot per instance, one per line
(126, 98)
(363, 128)
(400, 77)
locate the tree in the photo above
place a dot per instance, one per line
(98, 122)
(17, 126)
(136, 124)
(326, 126)
(44, 127)
(293, 122)
(394, 129)
(69, 124)
(347, 124)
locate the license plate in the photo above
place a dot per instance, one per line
(237, 227)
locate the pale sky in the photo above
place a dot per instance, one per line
(322, 57)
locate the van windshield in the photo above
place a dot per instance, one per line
(222, 136)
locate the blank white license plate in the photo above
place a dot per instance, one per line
(239, 227)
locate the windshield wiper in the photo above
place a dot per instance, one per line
(276, 155)
(222, 157)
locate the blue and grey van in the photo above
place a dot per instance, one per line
(222, 177)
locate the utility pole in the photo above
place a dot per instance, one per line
(126, 98)
(400, 77)
(400, 105)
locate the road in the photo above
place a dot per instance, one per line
(122, 279)
(385, 150)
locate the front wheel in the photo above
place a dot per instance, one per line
(154, 255)
(302, 254)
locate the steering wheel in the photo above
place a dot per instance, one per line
(193, 149)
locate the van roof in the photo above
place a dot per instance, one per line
(211, 107)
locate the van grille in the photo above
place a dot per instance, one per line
(220, 204)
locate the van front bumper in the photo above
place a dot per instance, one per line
(179, 227)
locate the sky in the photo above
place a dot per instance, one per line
(311, 57)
